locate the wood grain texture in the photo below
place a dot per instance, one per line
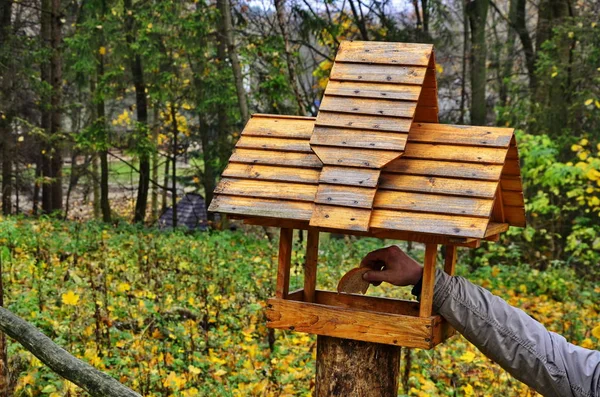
(460, 135)
(284, 263)
(344, 218)
(272, 173)
(392, 329)
(266, 143)
(511, 183)
(450, 259)
(279, 126)
(444, 169)
(448, 225)
(351, 157)
(498, 208)
(270, 208)
(513, 198)
(377, 107)
(368, 303)
(310, 265)
(384, 53)
(378, 73)
(442, 204)
(345, 196)
(363, 122)
(337, 372)
(426, 301)
(266, 157)
(494, 228)
(374, 90)
(427, 114)
(515, 216)
(351, 177)
(266, 189)
(428, 151)
(449, 186)
(365, 139)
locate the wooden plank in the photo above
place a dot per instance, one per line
(354, 324)
(444, 169)
(365, 158)
(511, 168)
(267, 157)
(374, 90)
(272, 173)
(351, 177)
(428, 97)
(284, 263)
(426, 301)
(494, 228)
(378, 73)
(460, 135)
(384, 53)
(345, 196)
(344, 218)
(515, 216)
(279, 126)
(511, 183)
(378, 107)
(426, 114)
(429, 81)
(448, 225)
(267, 189)
(423, 184)
(513, 153)
(513, 198)
(376, 123)
(270, 208)
(450, 259)
(310, 265)
(428, 151)
(368, 303)
(345, 137)
(419, 202)
(264, 143)
(283, 116)
(498, 208)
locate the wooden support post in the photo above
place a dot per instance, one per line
(450, 260)
(285, 261)
(353, 368)
(428, 280)
(310, 267)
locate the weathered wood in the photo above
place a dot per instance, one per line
(270, 208)
(378, 107)
(384, 53)
(445, 169)
(428, 151)
(387, 328)
(279, 126)
(515, 216)
(267, 157)
(358, 177)
(366, 158)
(494, 228)
(442, 204)
(511, 183)
(59, 360)
(345, 196)
(363, 122)
(281, 144)
(449, 225)
(498, 209)
(378, 73)
(353, 368)
(284, 263)
(512, 198)
(423, 184)
(374, 90)
(310, 265)
(426, 301)
(330, 216)
(272, 173)
(450, 259)
(368, 303)
(267, 189)
(461, 135)
(365, 139)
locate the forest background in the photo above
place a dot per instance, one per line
(111, 110)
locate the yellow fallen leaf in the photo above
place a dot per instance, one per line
(102, 50)
(596, 331)
(588, 102)
(70, 298)
(468, 389)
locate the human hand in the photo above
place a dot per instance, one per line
(391, 265)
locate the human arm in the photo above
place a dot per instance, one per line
(522, 346)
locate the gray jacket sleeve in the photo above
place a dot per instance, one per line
(541, 359)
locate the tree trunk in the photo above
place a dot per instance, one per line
(103, 153)
(509, 47)
(95, 181)
(465, 57)
(354, 368)
(426, 13)
(526, 42)
(154, 190)
(358, 21)
(477, 11)
(289, 57)
(6, 139)
(174, 166)
(225, 10)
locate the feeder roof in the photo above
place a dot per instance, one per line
(375, 159)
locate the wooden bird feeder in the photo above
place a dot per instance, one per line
(374, 162)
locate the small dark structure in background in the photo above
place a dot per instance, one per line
(191, 213)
